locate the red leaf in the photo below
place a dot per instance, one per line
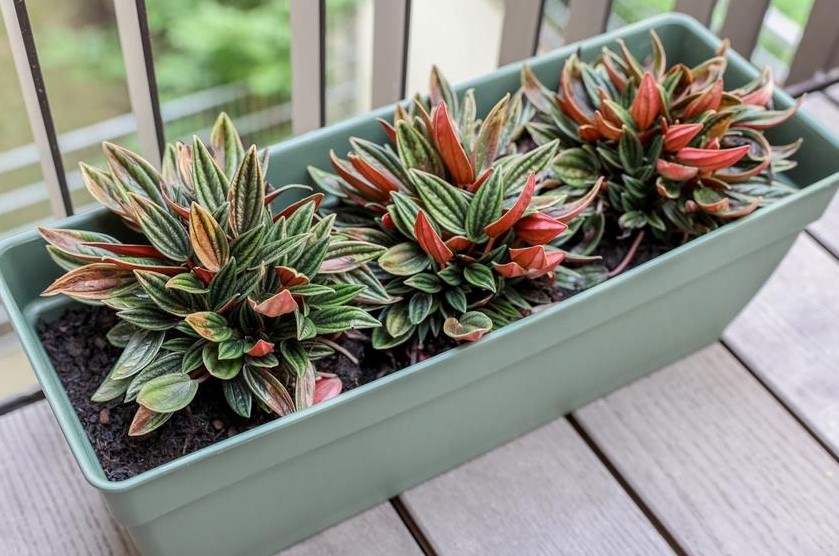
(709, 100)
(449, 147)
(278, 304)
(377, 177)
(261, 348)
(369, 191)
(711, 159)
(647, 104)
(535, 261)
(387, 221)
(473, 188)
(129, 250)
(678, 136)
(292, 208)
(569, 212)
(203, 274)
(675, 172)
(566, 100)
(327, 388)
(389, 130)
(509, 218)
(290, 277)
(458, 243)
(605, 128)
(162, 269)
(538, 228)
(430, 242)
(589, 133)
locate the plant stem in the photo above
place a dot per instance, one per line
(340, 349)
(629, 255)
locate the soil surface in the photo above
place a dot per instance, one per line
(82, 357)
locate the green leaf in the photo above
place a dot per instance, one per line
(404, 259)
(480, 276)
(193, 357)
(446, 204)
(247, 194)
(415, 151)
(139, 352)
(304, 388)
(576, 167)
(486, 207)
(519, 167)
(404, 212)
(146, 420)
(329, 320)
(110, 389)
(633, 219)
(457, 300)
(451, 275)
(187, 282)
(148, 318)
(342, 256)
(224, 369)
(168, 364)
(420, 307)
(486, 144)
(630, 151)
(311, 260)
(247, 246)
(167, 393)
(164, 231)
(232, 348)
(295, 357)
(238, 396)
(208, 180)
(209, 325)
(170, 300)
(177, 345)
(341, 295)
(311, 290)
(424, 282)
(120, 334)
(134, 172)
(227, 146)
(398, 320)
(382, 340)
(223, 286)
(268, 389)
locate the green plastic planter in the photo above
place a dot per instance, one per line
(269, 487)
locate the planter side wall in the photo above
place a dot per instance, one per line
(383, 460)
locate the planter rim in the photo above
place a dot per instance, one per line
(89, 463)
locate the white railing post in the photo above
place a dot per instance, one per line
(520, 33)
(586, 18)
(391, 29)
(34, 91)
(307, 65)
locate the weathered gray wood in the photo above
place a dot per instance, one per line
(376, 532)
(46, 507)
(545, 493)
(307, 72)
(586, 18)
(719, 461)
(742, 24)
(826, 230)
(789, 336)
(45, 504)
(700, 9)
(817, 43)
(391, 25)
(520, 32)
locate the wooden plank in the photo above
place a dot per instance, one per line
(826, 230)
(586, 18)
(789, 337)
(376, 532)
(48, 508)
(724, 467)
(817, 42)
(520, 32)
(391, 26)
(307, 65)
(46, 505)
(544, 493)
(742, 24)
(700, 9)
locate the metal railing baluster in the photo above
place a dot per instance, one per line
(520, 32)
(391, 29)
(37, 104)
(742, 24)
(586, 18)
(308, 74)
(135, 41)
(818, 42)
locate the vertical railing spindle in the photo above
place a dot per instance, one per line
(820, 37)
(308, 71)
(391, 29)
(586, 18)
(37, 104)
(520, 33)
(700, 9)
(134, 38)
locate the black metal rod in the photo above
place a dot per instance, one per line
(148, 56)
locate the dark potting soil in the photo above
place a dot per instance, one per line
(82, 357)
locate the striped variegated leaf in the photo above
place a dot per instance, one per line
(294, 357)
(170, 300)
(342, 256)
(165, 232)
(329, 320)
(404, 259)
(93, 282)
(480, 276)
(149, 318)
(519, 168)
(141, 350)
(268, 389)
(420, 307)
(209, 325)
(238, 396)
(134, 173)
(227, 146)
(167, 393)
(209, 242)
(446, 204)
(485, 149)
(415, 152)
(146, 421)
(304, 388)
(209, 182)
(167, 364)
(469, 327)
(224, 369)
(485, 208)
(187, 282)
(247, 194)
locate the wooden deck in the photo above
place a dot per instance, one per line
(733, 450)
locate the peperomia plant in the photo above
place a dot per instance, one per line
(467, 223)
(225, 289)
(680, 155)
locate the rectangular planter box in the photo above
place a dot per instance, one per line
(286, 480)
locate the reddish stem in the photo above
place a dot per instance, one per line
(628, 257)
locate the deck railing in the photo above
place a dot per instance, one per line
(814, 63)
